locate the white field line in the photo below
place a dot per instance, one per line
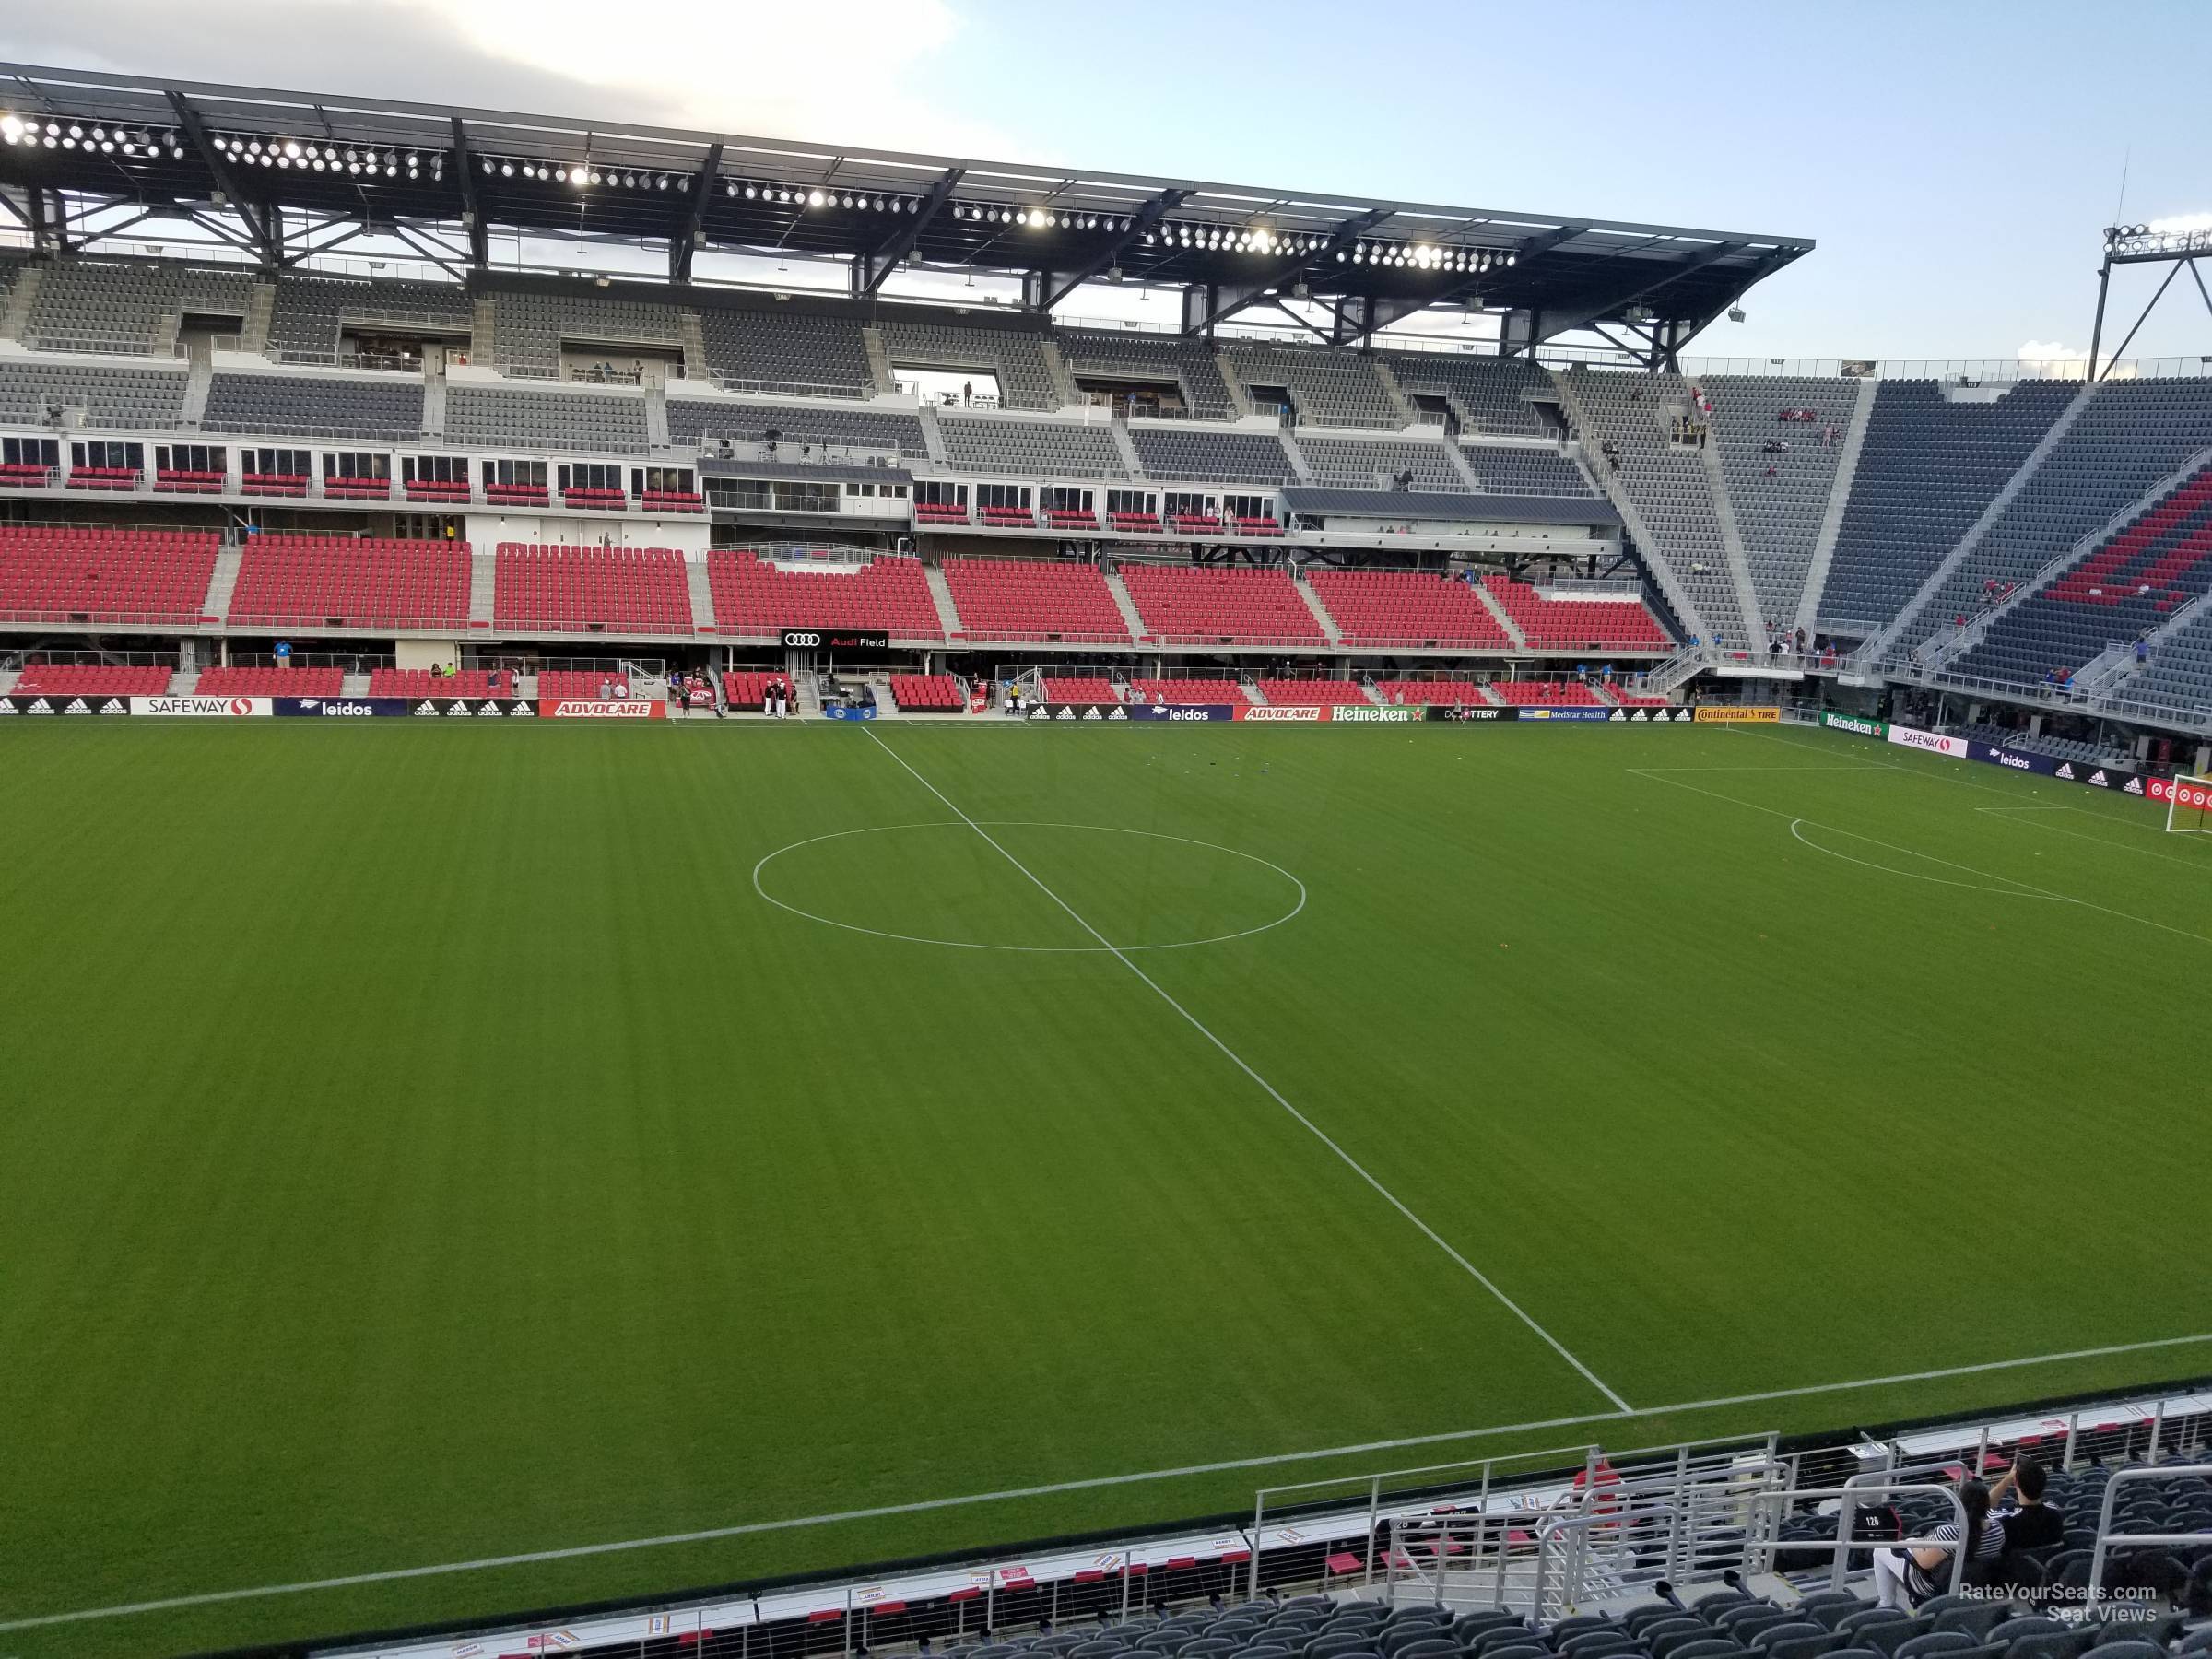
(2101, 840)
(1225, 1465)
(1274, 1094)
(2011, 890)
(1915, 852)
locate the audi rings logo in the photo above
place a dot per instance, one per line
(803, 641)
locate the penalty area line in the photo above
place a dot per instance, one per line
(1091, 1483)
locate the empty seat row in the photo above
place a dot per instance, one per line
(1193, 605)
(1030, 599)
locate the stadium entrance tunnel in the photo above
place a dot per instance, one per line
(945, 884)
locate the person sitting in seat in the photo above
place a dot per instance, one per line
(1905, 1578)
(2018, 1498)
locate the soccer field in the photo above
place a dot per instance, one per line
(424, 1145)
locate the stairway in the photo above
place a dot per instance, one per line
(1128, 606)
(479, 331)
(1117, 427)
(20, 301)
(1839, 499)
(1299, 464)
(703, 594)
(1238, 398)
(809, 697)
(694, 341)
(483, 581)
(223, 584)
(879, 360)
(1407, 415)
(948, 615)
(1732, 543)
(1320, 614)
(1496, 611)
(656, 415)
(433, 398)
(933, 437)
(1655, 561)
(1063, 384)
(198, 377)
(1462, 465)
(253, 334)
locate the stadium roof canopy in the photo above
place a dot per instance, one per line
(284, 177)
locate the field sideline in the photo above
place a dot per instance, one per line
(437, 1146)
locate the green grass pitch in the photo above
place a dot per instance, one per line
(419, 1146)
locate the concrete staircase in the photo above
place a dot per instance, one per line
(1320, 614)
(261, 306)
(1839, 499)
(20, 299)
(1125, 446)
(656, 415)
(702, 596)
(223, 584)
(1299, 464)
(1128, 606)
(1497, 610)
(479, 331)
(1407, 414)
(483, 580)
(1063, 384)
(879, 360)
(433, 398)
(1732, 542)
(1238, 398)
(933, 436)
(1609, 482)
(199, 375)
(807, 701)
(1874, 650)
(1461, 465)
(694, 342)
(948, 615)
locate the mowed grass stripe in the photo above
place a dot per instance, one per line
(496, 1169)
(422, 1144)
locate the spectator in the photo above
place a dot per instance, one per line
(1905, 1578)
(2031, 1523)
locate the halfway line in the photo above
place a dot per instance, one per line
(1274, 1094)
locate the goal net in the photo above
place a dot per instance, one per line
(2189, 806)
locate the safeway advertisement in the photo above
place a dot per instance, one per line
(576, 709)
(204, 708)
(1934, 742)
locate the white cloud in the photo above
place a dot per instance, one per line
(849, 71)
(2182, 223)
(2051, 351)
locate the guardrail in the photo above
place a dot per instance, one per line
(2107, 1540)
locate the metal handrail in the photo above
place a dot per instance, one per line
(2106, 1537)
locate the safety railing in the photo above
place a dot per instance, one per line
(772, 388)
(93, 345)
(2109, 1539)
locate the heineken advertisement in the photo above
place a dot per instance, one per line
(1854, 722)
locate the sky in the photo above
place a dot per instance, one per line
(1955, 161)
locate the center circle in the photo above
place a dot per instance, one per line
(1200, 888)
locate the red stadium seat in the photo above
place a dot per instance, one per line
(564, 589)
(1312, 693)
(59, 576)
(270, 682)
(1028, 599)
(1220, 604)
(1613, 622)
(885, 596)
(1445, 693)
(347, 582)
(1076, 688)
(422, 682)
(1400, 608)
(93, 680)
(928, 694)
(1546, 694)
(1187, 691)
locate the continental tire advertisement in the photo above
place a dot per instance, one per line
(1739, 713)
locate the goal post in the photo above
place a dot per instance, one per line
(2189, 806)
